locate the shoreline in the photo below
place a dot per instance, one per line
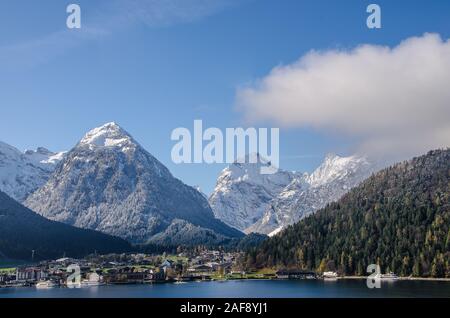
(403, 278)
(271, 279)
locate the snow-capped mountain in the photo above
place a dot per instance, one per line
(242, 193)
(287, 203)
(44, 157)
(22, 173)
(336, 168)
(331, 180)
(109, 183)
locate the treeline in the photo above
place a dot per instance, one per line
(399, 218)
(25, 235)
(242, 244)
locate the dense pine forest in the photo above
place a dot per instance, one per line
(25, 234)
(398, 218)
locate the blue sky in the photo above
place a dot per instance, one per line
(156, 65)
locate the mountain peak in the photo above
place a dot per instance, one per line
(335, 166)
(266, 204)
(21, 173)
(331, 156)
(242, 192)
(253, 157)
(108, 135)
(39, 150)
(7, 150)
(110, 183)
(249, 168)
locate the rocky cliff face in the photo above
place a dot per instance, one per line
(305, 195)
(252, 202)
(242, 193)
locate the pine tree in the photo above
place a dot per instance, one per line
(407, 229)
(416, 269)
(323, 266)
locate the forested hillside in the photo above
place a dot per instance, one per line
(398, 218)
(23, 231)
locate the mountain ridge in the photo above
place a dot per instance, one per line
(110, 183)
(398, 218)
(22, 173)
(23, 231)
(242, 192)
(240, 188)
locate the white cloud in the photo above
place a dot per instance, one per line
(395, 100)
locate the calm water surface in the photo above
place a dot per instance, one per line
(241, 289)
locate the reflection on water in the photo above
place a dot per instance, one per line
(245, 288)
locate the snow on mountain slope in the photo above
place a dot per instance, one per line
(109, 183)
(242, 193)
(22, 173)
(332, 179)
(44, 157)
(252, 202)
(336, 168)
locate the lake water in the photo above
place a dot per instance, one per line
(243, 289)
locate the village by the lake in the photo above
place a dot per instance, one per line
(95, 270)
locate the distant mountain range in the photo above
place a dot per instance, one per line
(22, 231)
(109, 183)
(23, 173)
(242, 193)
(254, 202)
(399, 218)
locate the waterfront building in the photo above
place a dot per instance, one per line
(30, 274)
(295, 274)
